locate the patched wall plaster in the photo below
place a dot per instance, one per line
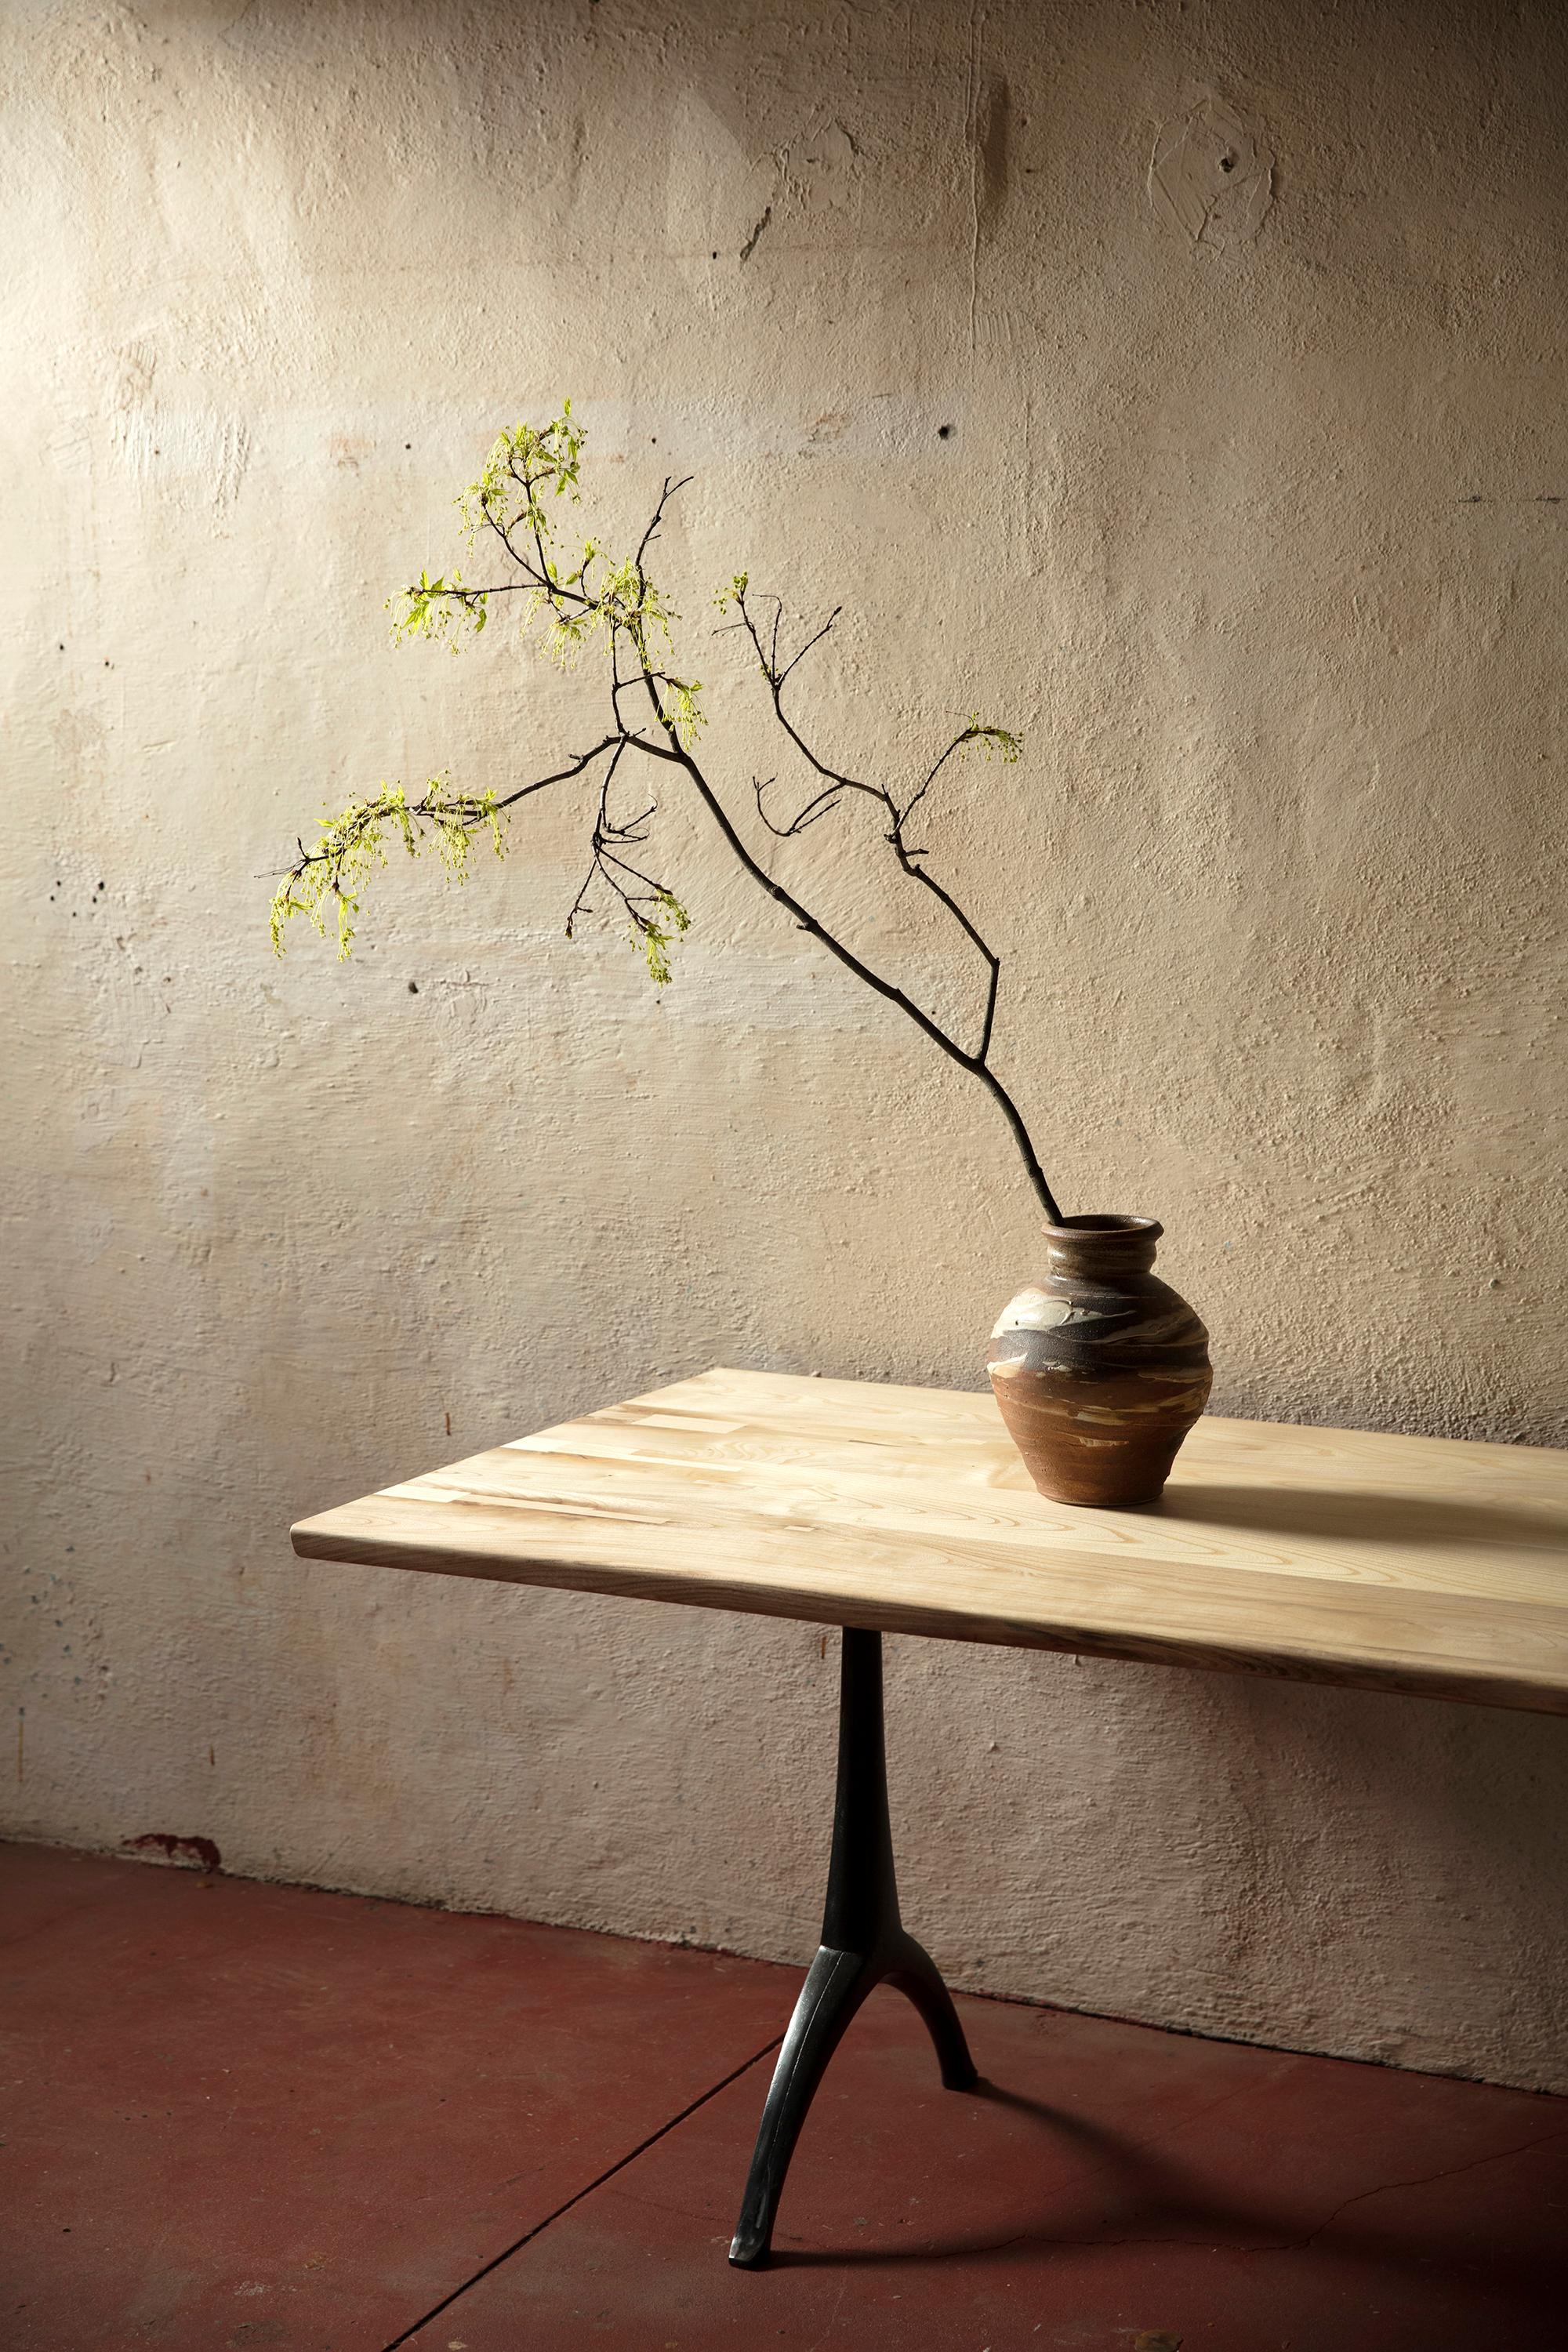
(1258, 543)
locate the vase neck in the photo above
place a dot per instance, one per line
(1102, 1247)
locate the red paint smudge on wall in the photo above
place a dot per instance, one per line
(185, 1853)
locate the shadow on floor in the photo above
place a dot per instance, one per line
(1153, 2204)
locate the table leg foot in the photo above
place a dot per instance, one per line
(836, 1985)
(916, 1973)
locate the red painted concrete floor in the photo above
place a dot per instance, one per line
(240, 2115)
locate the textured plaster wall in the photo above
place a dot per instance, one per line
(1238, 492)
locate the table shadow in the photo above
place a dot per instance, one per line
(1363, 1518)
(1153, 2203)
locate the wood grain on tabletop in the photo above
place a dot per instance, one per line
(1421, 1564)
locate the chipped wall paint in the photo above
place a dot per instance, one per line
(1255, 543)
(1212, 177)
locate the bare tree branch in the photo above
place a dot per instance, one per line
(975, 1063)
(836, 782)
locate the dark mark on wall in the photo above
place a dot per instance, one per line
(750, 245)
(989, 125)
(1537, 498)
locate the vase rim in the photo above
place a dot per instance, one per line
(1105, 1228)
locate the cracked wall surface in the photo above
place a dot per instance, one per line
(1253, 531)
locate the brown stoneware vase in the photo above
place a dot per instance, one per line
(1099, 1370)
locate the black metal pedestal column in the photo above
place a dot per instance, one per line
(863, 1945)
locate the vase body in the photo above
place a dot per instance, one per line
(1101, 1370)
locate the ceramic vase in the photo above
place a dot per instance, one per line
(1101, 1368)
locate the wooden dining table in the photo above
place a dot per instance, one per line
(1435, 1567)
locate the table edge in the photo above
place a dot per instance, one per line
(314, 1538)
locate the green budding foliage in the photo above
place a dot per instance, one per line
(510, 512)
(349, 847)
(563, 606)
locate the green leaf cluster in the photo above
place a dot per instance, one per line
(350, 846)
(653, 939)
(438, 609)
(513, 499)
(993, 739)
(527, 464)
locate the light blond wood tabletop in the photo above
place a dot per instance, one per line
(1417, 1564)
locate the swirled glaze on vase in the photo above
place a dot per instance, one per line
(1101, 1370)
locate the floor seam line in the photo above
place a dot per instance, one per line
(586, 2190)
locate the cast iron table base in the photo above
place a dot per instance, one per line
(864, 1944)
